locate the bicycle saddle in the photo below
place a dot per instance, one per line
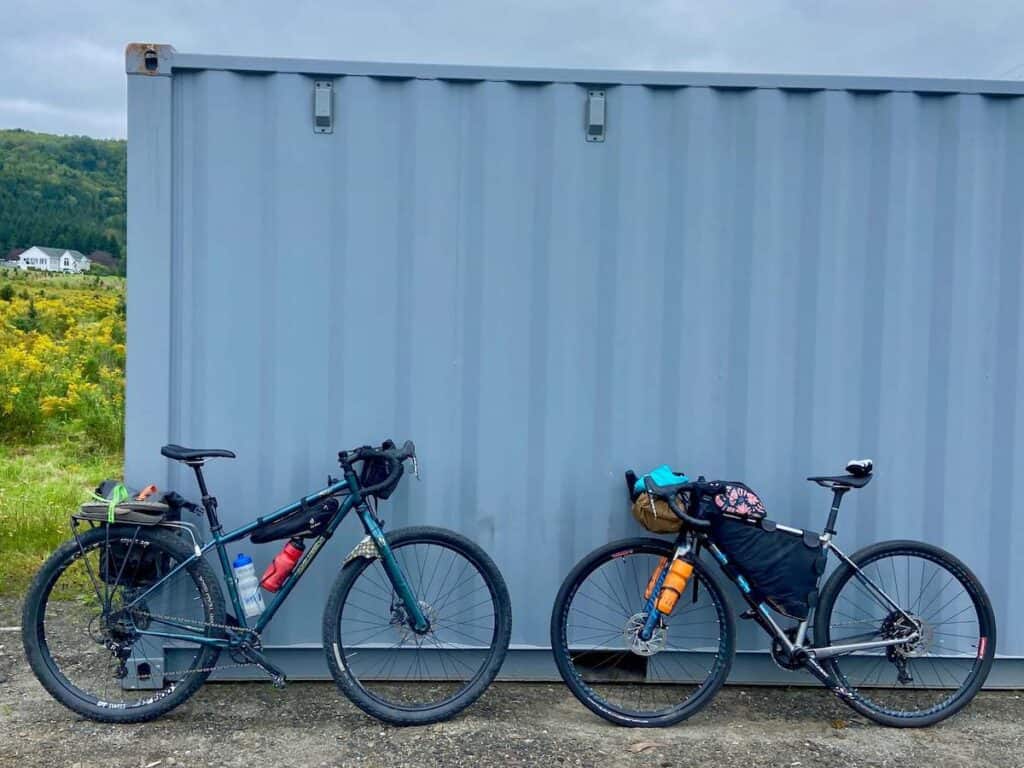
(180, 453)
(859, 475)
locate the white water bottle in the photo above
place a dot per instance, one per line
(248, 585)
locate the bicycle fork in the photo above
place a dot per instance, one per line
(417, 619)
(651, 606)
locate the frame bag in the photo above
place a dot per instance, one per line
(782, 566)
(305, 522)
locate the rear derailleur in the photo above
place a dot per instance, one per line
(897, 626)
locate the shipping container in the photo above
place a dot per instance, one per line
(545, 277)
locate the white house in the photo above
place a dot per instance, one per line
(53, 260)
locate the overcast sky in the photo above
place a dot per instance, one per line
(62, 63)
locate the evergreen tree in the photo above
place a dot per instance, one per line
(62, 191)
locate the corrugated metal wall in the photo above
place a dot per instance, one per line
(745, 282)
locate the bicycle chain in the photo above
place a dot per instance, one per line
(193, 622)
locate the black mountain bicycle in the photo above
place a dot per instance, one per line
(902, 631)
(126, 620)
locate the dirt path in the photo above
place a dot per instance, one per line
(310, 724)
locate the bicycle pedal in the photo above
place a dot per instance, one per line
(750, 613)
(279, 682)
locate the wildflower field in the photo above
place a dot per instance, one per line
(61, 407)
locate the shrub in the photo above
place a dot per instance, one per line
(28, 321)
(62, 364)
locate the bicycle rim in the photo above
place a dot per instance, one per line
(394, 666)
(614, 674)
(924, 679)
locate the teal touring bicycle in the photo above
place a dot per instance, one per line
(127, 619)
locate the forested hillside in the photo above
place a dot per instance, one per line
(62, 191)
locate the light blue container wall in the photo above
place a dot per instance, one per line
(755, 283)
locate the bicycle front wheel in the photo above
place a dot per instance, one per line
(933, 600)
(595, 636)
(391, 671)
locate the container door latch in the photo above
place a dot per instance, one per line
(595, 115)
(323, 106)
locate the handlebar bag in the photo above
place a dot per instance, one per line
(305, 522)
(656, 515)
(782, 567)
(374, 472)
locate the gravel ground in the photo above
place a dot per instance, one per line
(310, 724)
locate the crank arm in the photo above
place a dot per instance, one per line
(277, 675)
(841, 691)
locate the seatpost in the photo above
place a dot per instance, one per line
(837, 498)
(209, 502)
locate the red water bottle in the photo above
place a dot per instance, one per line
(282, 565)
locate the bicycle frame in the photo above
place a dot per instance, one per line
(352, 499)
(762, 613)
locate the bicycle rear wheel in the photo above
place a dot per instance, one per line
(924, 680)
(594, 636)
(90, 616)
(396, 674)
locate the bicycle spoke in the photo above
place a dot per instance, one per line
(99, 640)
(599, 648)
(924, 675)
(379, 644)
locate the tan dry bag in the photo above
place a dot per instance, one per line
(656, 515)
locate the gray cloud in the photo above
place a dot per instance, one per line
(62, 70)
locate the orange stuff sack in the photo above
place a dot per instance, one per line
(673, 586)
(654, 578)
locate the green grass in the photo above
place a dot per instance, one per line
(40, 487)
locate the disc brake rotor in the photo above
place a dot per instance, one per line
(400, 621)
(897, 625)
(639, 646)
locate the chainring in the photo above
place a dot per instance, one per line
(784, 659)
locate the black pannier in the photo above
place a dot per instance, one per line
(304, 522)
(782, 567)
(132, 564)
